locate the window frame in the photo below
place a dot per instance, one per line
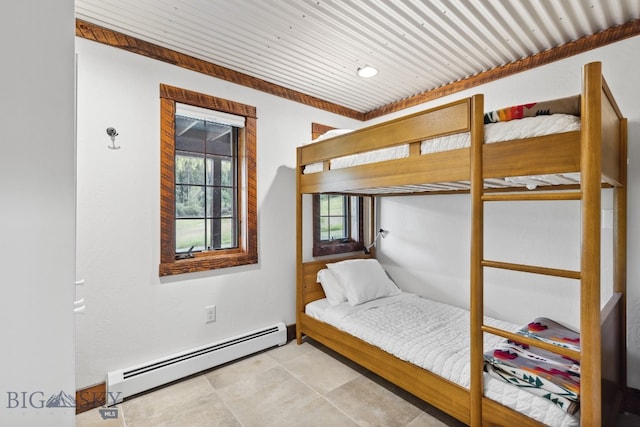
(247, 250)
(338, 246)
(212, 182)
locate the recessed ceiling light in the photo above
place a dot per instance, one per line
(367, 71)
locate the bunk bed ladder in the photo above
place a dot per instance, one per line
(589, 194)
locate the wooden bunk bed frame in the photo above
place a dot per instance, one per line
(598, 151)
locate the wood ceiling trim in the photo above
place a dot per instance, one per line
(583, 44)
(112, 38)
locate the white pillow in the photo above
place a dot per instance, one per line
(333, 290)
(363, 280)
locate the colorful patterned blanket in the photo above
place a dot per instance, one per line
(541, 372)
(569, 105)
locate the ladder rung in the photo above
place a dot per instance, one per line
(567, 352)
(569, 274)
(504, 197)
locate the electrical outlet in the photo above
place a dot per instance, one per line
(211, 313)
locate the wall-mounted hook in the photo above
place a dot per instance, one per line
(112, 132)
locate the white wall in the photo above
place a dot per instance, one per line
(427, 248)
(38, 211)
(132, 315)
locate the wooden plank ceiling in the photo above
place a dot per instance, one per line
(313, 48)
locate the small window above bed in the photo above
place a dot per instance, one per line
(337, 224)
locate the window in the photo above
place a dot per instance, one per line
(337, 220)
(206, 163)
(337, 224)
(208, 194)
(332, 214)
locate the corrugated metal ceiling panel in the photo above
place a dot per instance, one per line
(316, 46)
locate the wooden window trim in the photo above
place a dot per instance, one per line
(247, 251)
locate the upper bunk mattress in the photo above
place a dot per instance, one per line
(436, 337)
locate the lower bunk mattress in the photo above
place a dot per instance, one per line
(435, 337)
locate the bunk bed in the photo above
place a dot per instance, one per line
(592, 157)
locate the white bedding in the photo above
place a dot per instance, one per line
(493, 132)
(434, 336)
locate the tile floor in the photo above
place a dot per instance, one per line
(297, 386)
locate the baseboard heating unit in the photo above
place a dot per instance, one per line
(124, 383)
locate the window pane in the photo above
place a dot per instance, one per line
(190, 135)
(218, 137)
(324, 205)
(220, 171)
(336, 205)
(336, 228)
(324, 228)
(221, 202)
(226, 173)
(354, 216)
(210, 171)
(227, 204)
(189, 232)
(227, 232)
(210, 205)
(189, 169)
(189, 201)
(211, 244)
(221, 233)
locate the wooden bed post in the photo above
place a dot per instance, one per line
(477, 255)
(591, 167)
